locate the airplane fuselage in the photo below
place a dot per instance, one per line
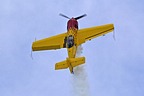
(71, 42)
(72, 28)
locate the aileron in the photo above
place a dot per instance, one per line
(54, 42)
(99, 34)
(93, 32)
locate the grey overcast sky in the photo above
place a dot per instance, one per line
(113, 68)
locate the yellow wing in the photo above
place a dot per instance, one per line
(93, 32)
(54, 42)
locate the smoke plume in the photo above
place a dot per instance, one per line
(79, 79)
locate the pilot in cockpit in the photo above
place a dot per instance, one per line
(70, 41)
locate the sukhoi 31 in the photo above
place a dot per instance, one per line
(71, 40)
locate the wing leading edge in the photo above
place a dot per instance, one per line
(93, 32)
(54, 42)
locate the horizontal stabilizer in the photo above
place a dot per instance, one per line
(70, 62)
(61, 65)
(77, 61)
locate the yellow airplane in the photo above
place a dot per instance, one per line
(71, 40)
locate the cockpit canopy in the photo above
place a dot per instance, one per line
(70, 41)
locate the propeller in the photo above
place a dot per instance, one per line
(80, 16)
(74, 18)
(64, 16)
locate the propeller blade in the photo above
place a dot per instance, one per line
(80, 16)
(64, 16)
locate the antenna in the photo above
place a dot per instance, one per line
(114, 35)
(31, 55)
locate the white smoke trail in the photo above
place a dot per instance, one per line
(80, 83)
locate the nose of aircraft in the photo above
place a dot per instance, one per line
(72, 23)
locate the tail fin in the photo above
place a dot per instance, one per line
(70, 62)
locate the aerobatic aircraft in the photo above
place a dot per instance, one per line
(71, 40)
